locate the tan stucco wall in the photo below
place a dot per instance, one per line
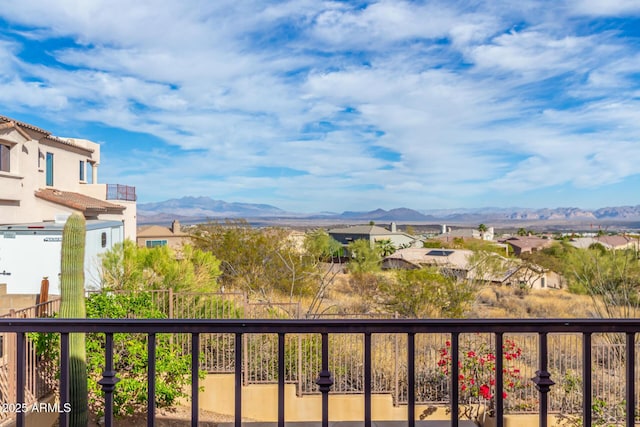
(14, 301)
(260, 403)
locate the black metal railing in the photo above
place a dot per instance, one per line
(121, 192)
(498, 328)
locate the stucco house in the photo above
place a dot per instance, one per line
(527, 244)
(42, 176)
(374, 233)
(462, 264)
(155, 235)
(43, 180)
(615, 242)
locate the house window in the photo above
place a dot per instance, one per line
(90, 173)
(49, 169)
(82, 170)
(4, 158)
(154, 243)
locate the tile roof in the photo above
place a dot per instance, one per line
(78, 201)
(158, 231)
(46, 133)
(528, 242)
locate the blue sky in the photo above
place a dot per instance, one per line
(315, 105)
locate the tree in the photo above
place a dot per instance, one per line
(482, 229)
(522, 232)
(262, 262)
(385, 247)
(131, 268)
(611, 278)
(426, 293)
(319, 244)
(363, 258)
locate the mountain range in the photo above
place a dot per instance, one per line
(194, 209)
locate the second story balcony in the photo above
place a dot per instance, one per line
(121, 192)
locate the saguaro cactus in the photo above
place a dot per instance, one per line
(72, 305)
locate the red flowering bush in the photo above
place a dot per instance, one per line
(476, 375)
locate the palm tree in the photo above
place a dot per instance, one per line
(482, 229)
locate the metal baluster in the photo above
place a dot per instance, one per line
(64, 378)
(20, 377)
(411, 379)
(367, 379)
(586, 378)
(542, 379)
(109, 380)
(455, 373)
(499, 380)
(238, 380)
(195, 370)
(630, 376)
(151, 379)
(325, 380)
(281, 379)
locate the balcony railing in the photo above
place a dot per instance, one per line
(543, 329)
(121, 192)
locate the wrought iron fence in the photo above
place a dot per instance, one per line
(420, 340)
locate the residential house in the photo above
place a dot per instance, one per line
(527, 244)
(373, 234)
(155, 235)
(463, 264)
(44, 179)
(616, 242)
(42, 176)
(448, 234)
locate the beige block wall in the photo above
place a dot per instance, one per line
(14, 301)
(260, 403)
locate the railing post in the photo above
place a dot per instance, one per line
(64, 377)
(367, 379)
(238, 379)
(325, 380)
(630, 379)
(195, 370)
(542, 380)
(20, 376)
(499, 379)
(109, 380)
(411, 379)
(281, 378)
(151, 379)
(455, 372)
(586, 378)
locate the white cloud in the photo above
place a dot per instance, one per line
(396, 100)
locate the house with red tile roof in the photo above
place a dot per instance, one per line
(43, 176)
